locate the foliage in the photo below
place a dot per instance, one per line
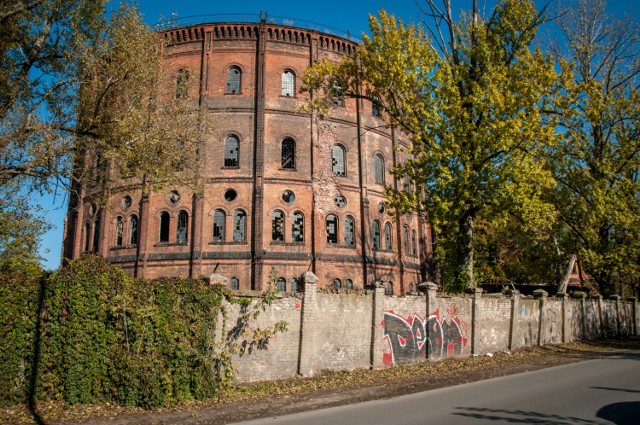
(596, 165)
(108, 338)
(473, 108)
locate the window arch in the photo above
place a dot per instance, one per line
(338, 161)
(288, 83)
(375, 234)
(277, 226)
(288, 154)
(282, 284)
(165, 220)
(182, 230)
(387, 236)
(337, 284)
(349, 231)
(234, 80)
(332, 229)
(133, 230)
(231, 151)
(182, 83)
(219, 220)
(239, 226)
(405, 232)
(234, 283)
(414, 244)
(297, 227)
(119, 230)
(379, 168)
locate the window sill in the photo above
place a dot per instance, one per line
(230, 167)
(121, 247)
(286, 169)
(288, 97)
(281, 243)
(160, 244)
(232, 94)
(228, 243)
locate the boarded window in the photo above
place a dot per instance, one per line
(349, 231)
(183, 227)
(277, 226)
(231, 151)
(119, 230)
(133, 230)
(297, 227)
(332, 229)
(239, 226)
(234, 78)
(375, 234)
(387, 237)
(234, 283)
(288, 154)
(219, 218)
(338, 163)
(288, 83)
(379, 168)
(164, 227)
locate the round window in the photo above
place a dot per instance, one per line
(340, 201)
(173, 197)
(381, 208)
(288, 196)
(230, 195)
(126, 202)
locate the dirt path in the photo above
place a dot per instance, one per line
(329, 388)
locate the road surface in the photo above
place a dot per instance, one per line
(596, 392)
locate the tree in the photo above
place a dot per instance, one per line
(471, 99)
(597, 162)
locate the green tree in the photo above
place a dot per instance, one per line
(596, 164)
(470, 96)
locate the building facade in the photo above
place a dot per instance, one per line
(283, 191)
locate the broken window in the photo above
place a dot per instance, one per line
(405, 231)
(340, 201)
(219, 218)
(288, 83)
(297, 227)
(337, 96)
(277, 226)
(332, 229)
(234, 77)
(164, 227)
(183, 227)
(375, 234)
(234, 283)
(375, 107)
(349, 231)
(338, 164)
(239, 226)
(379, 168)
(133, 230)
(182, 84)
(119, 230)
(387, 236)
(282, 284)
(231, 151)
(288, 154)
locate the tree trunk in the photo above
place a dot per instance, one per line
(465, 249)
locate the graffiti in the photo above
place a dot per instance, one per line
(412, 338)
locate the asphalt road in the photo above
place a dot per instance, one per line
(603, 392)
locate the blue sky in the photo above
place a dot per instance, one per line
(342, 15)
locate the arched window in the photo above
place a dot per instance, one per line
(387, 236)
(87, 237)
(379, 168)
(288, 154)
(133, 230)
(234, 283)
(239, 226)
(297, 227)
(231, 151)
(348, 284)
(288, 83)
(337, 95)
(234, 78)
(414, 243)
(405, 234)
(182, 84)
(164, 227)
(388, 288)
(332, 229)
(277, 226)
(183, 227)
(282, 284)
(96, 234)
(406, 183)
(337, 284)
(338, 163)
(349, 231)
(375, 234)
(119, 230)
(375, 107)
(219, 219)
(293, 284)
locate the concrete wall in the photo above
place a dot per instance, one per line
(361, 329)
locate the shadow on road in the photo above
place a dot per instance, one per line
(625, 390)
(524, 417)
(623, 413)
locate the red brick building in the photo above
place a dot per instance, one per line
(282, 192)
